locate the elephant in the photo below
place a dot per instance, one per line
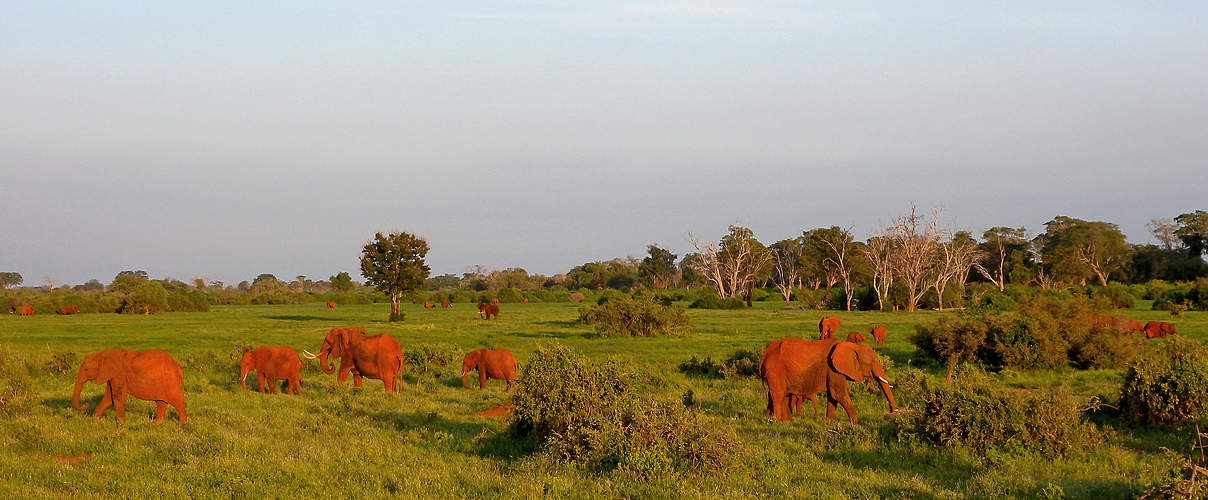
(498, 364)
(794, 367)
(488, 310)
(1158, 329)
(445, 303)
(878, 333)
(26, 310)
(362, 355)
(330, 305)
(827, 327)
(495, 301)
(428, 305)
(272, 364)
(149, 375)
(65, 310)
(856, 337)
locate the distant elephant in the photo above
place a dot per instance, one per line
(445, 303)
(330, 305)
(498, 364)
(856, 337)
(361, 354)
(495, 300)
(827, 327)
(428, 305)
(1134, 325)
(526, 300)
(26, 310)
(878, 333)
(803, 368)
(1158, 329)
(65, 310)
(149, 375)
(487, 311)
(272, 364)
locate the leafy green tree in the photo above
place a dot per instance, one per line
(147, 297)
(126, 282)
(1005, 256)
(658, 268)
(394, 264)
(1075, 249)
(8, 279)
(92, 286)
(839, 255)
(688, 265)
(341, 282)
(1193, 230)
(442, 282)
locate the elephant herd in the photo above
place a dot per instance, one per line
(1152, 329)
(154, 376)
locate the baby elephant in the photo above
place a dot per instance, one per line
(272, 364)
(498, 364)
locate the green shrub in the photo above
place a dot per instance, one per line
(432, 360)
(716, 303)
(575, 298)
(641, 318)
(742, 363)
(590, 415)
(148, 297)
(973, 411)
(62, 363)
(700, 368)
(951, 340)
(18, 394)
(1167, 385)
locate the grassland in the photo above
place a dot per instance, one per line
(429, 441)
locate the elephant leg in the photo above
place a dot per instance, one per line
(119, 404)
(830, 408)
(161, 409)
(259, 381)
(343, 375)
(509, 386)
(295, 385)
(106, 402)
(356, 380)
(482, 379)
(180, 410)
(844, 400)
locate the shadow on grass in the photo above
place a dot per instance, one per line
(299, 318)
(562, 323)
(945, 469)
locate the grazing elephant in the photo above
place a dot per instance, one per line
(878, 333)
(330, 305)
(487, 311)
(26, 310)
(272, 364)
(428, 305)
(445, 303)
(856, 337)
(361, 354)
(526, 300)
(65, 310)
(495, 301)
(803, 368)
(827, 327)
(498, 364)
(149, 375)
(1158, 329)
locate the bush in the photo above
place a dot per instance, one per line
(742, 363)
(18, 394)
(976, 413)
(628, 317)
(589, 414)
(575, 298)
(432, 360)
(716, 303)
(62, 363)
(1168, 385)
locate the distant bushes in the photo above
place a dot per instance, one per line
(1168, 385)
(973, 411)
(635, 318)
(1181, 296)
(742, 363)
(590, 414)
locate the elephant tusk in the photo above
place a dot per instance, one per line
(244, 377)
(308, 354)
(886, 382)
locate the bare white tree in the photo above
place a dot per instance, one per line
(879, 252)
(735, 264)
(956, 258)
(839, 248)
(915, 243)
(786, 267)
(1164, 231)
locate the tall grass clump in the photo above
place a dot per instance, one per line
(635, 318)
(1168, 385)
(18, 394)
(589, 414)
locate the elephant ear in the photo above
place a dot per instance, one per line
(113, 368)
(845, 359)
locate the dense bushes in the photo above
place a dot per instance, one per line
(640, 318)
(742, 363)
(17, 392)
(589, 414)
(431, 360)
(1192, 295)
(1044, 332)
(1168, 385)
(973, 411)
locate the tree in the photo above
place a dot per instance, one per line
(915, 241)
(688, 275)
(126, 282)
(92, 285)
(735, 264)
(1165, 230)
(1076, 249)
(879, 252)
(341, 282)
(956, 258)
(839, 252)
(199, 283)
(1004, 250)
(394, 264)
(658, 268)
(10, 279)
(1193, 230)
(786, 266)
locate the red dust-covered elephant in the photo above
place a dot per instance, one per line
(26, 310)
(362, 355)
(272, 364)
(878, 333)
(330, 305)
(1158, 329)
(498, 364)
(488, 311)
(827, 327)
(65, 310)
(149, 375)
(801, 368)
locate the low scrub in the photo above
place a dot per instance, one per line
(975, 412)
(18, 394)
(589, 414)
(742, 363)
(635, 318)
(431, 360)
(1168, 385)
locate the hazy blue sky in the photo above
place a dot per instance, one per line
(237, 138)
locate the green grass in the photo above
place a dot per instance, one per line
(429, 442)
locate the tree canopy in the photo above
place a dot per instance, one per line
(1075, 250)
(8, 279)
(658, 268)
(394, 264)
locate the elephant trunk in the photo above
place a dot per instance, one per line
(327, 368)
(886, 388)
(464, 371)
(243, 378)
(75, 396)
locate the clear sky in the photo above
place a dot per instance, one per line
(236, 138)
